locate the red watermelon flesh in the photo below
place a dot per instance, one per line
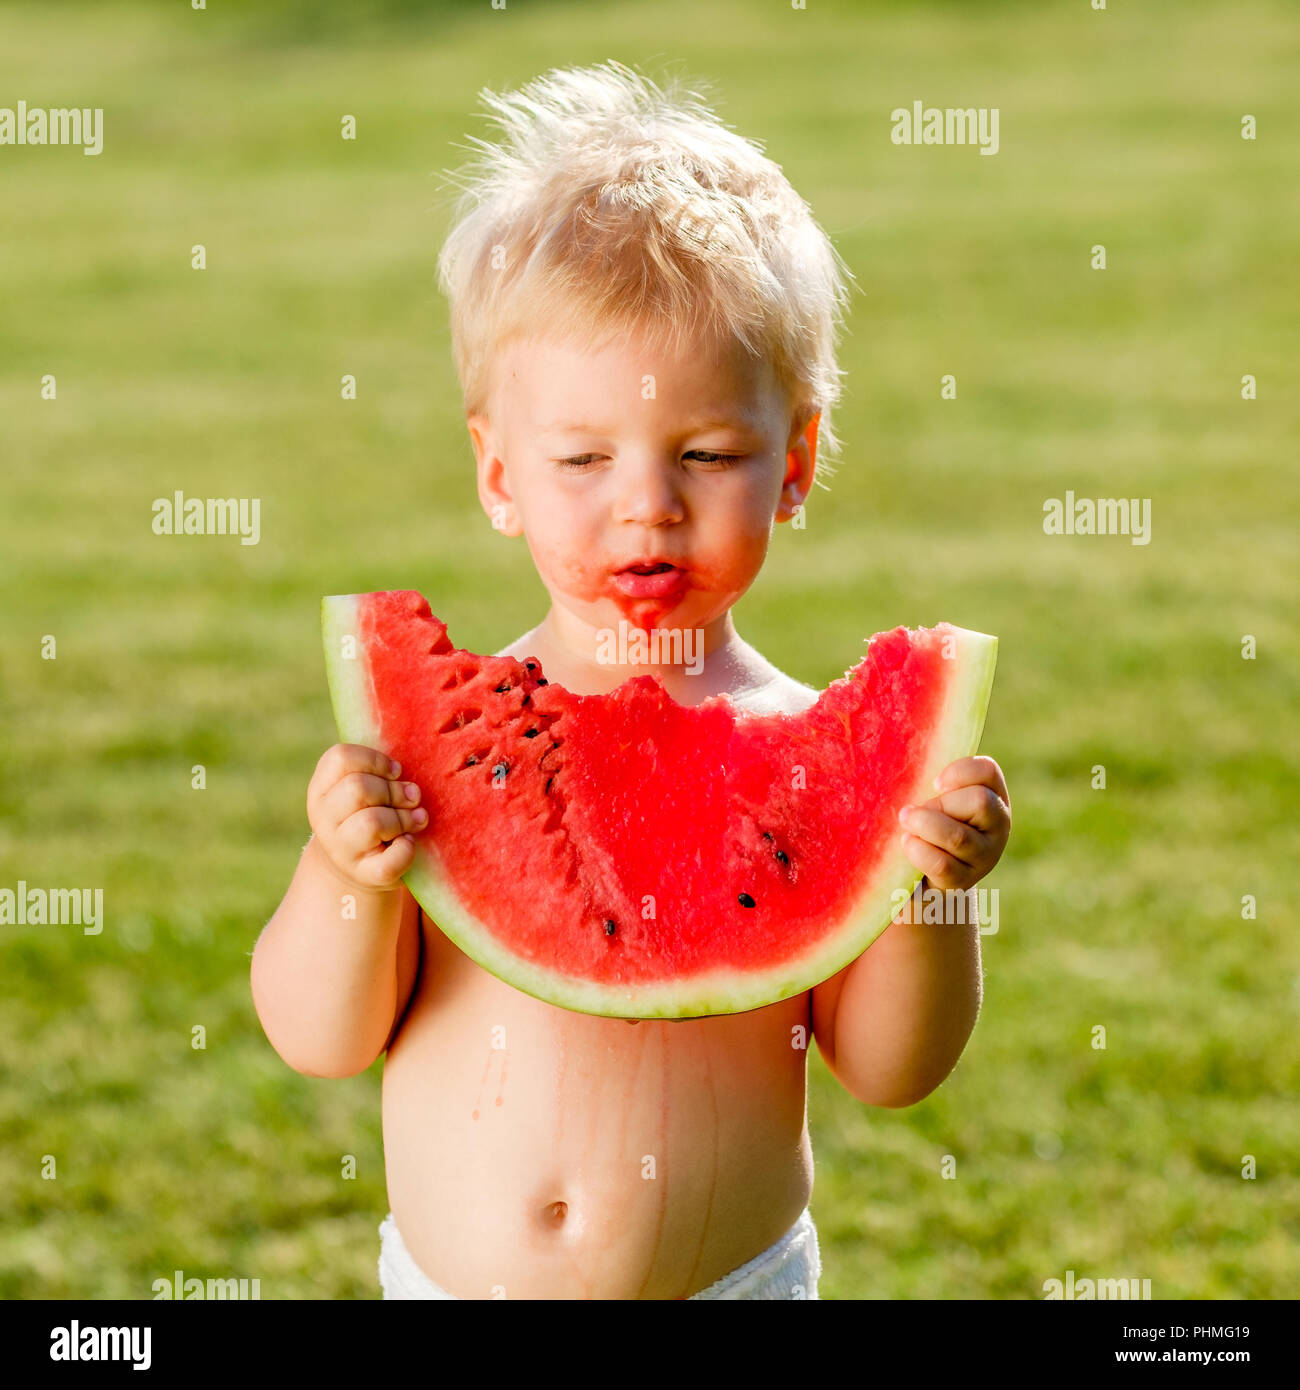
(626, 855)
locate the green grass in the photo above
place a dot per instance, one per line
(1118, 907)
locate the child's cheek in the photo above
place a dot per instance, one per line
(569, 566)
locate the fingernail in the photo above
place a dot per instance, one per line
(938, 783)
(905, 814)
(419, 816)
(412, 791)
(397, 768)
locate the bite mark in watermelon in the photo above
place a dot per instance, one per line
(626, 855)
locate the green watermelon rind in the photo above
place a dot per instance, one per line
(348, 673)
(956, 734)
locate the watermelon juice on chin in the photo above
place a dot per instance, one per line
(648, 592)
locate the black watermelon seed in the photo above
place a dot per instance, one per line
(530, 733)
(547, 788)
(471, 760)
(610, 928)
(502, 689)
(767, 834)
(745, 900)
(541, 680)
(531, 665)
(783, 856)
(500, 769)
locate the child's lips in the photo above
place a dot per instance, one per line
(649, 580)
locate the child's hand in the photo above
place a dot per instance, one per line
(958, 836)
(360, 813)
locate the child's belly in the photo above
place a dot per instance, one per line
(536, 1153)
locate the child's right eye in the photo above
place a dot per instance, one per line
(577, 461)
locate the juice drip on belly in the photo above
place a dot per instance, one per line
(501, 1086)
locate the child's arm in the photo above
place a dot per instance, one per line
(892, 1024)
(334, 968)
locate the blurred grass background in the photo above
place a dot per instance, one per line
(1119, 907)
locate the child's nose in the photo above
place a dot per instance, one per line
(649, 494)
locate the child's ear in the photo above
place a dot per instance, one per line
(800, 466)
(493, 485)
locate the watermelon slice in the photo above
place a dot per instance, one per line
(626, 855)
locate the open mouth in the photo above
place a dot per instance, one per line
(659, 581)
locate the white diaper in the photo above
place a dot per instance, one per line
(788, 1269)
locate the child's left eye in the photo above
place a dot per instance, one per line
(711, 457)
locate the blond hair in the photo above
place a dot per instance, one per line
(610, 205)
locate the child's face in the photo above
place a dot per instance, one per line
(643, 429)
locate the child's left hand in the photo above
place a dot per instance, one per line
(955, 838)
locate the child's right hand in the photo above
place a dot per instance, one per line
(360, 814)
